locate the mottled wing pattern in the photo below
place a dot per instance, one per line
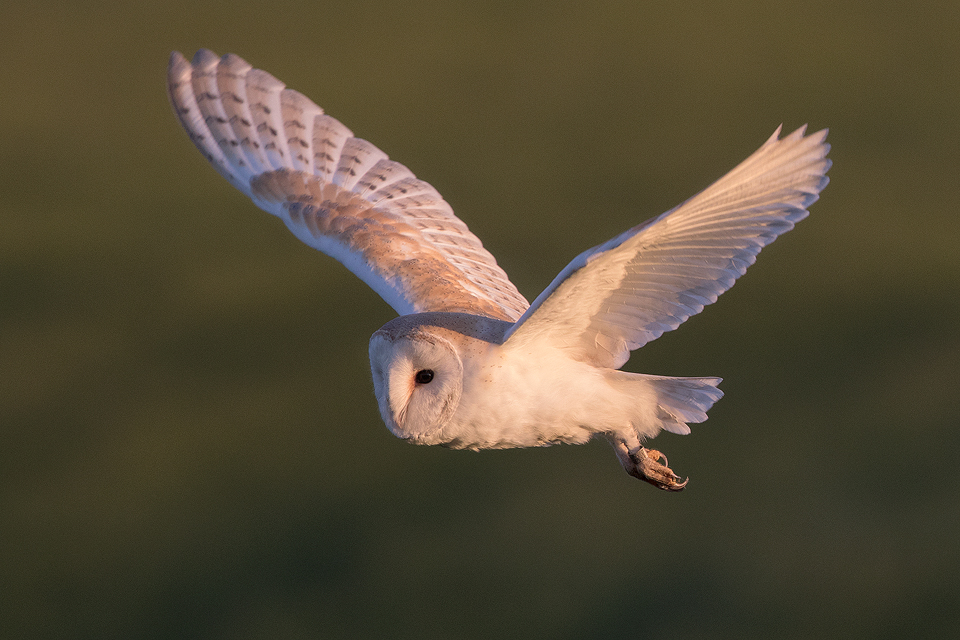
(624, 293)
(337, 193)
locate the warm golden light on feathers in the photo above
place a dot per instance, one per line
(504, 373)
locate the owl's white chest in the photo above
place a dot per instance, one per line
(524, 399)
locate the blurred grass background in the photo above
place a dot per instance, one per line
(190, 444)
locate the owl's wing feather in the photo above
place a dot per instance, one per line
(337, 193)
(624, 293)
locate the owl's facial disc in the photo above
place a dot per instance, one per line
(418, 378)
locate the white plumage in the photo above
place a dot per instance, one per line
(469, 363)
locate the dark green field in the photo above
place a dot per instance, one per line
(189, 442)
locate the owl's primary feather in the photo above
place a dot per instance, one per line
(619, 296)
(337, 193)
(469, 364)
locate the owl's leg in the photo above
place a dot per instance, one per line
(645, 464)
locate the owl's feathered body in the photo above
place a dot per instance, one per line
(469, 363)
(518, 394)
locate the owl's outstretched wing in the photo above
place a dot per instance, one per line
(337, 193)
(624, 293)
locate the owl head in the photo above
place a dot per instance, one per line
(418, 379)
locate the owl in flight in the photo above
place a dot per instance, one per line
(469, 363)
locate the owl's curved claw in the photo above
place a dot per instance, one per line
(646, 465)
(649, 469)
(658, 456)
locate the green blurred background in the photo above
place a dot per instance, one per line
(190, 444)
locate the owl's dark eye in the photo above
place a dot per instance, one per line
(424, 376)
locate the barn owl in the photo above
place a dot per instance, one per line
(469, 363)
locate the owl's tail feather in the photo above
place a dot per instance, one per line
(667, 403)
(683, 400)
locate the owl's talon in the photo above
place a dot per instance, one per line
(645, 464)
(649, 469)
(658, 456)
